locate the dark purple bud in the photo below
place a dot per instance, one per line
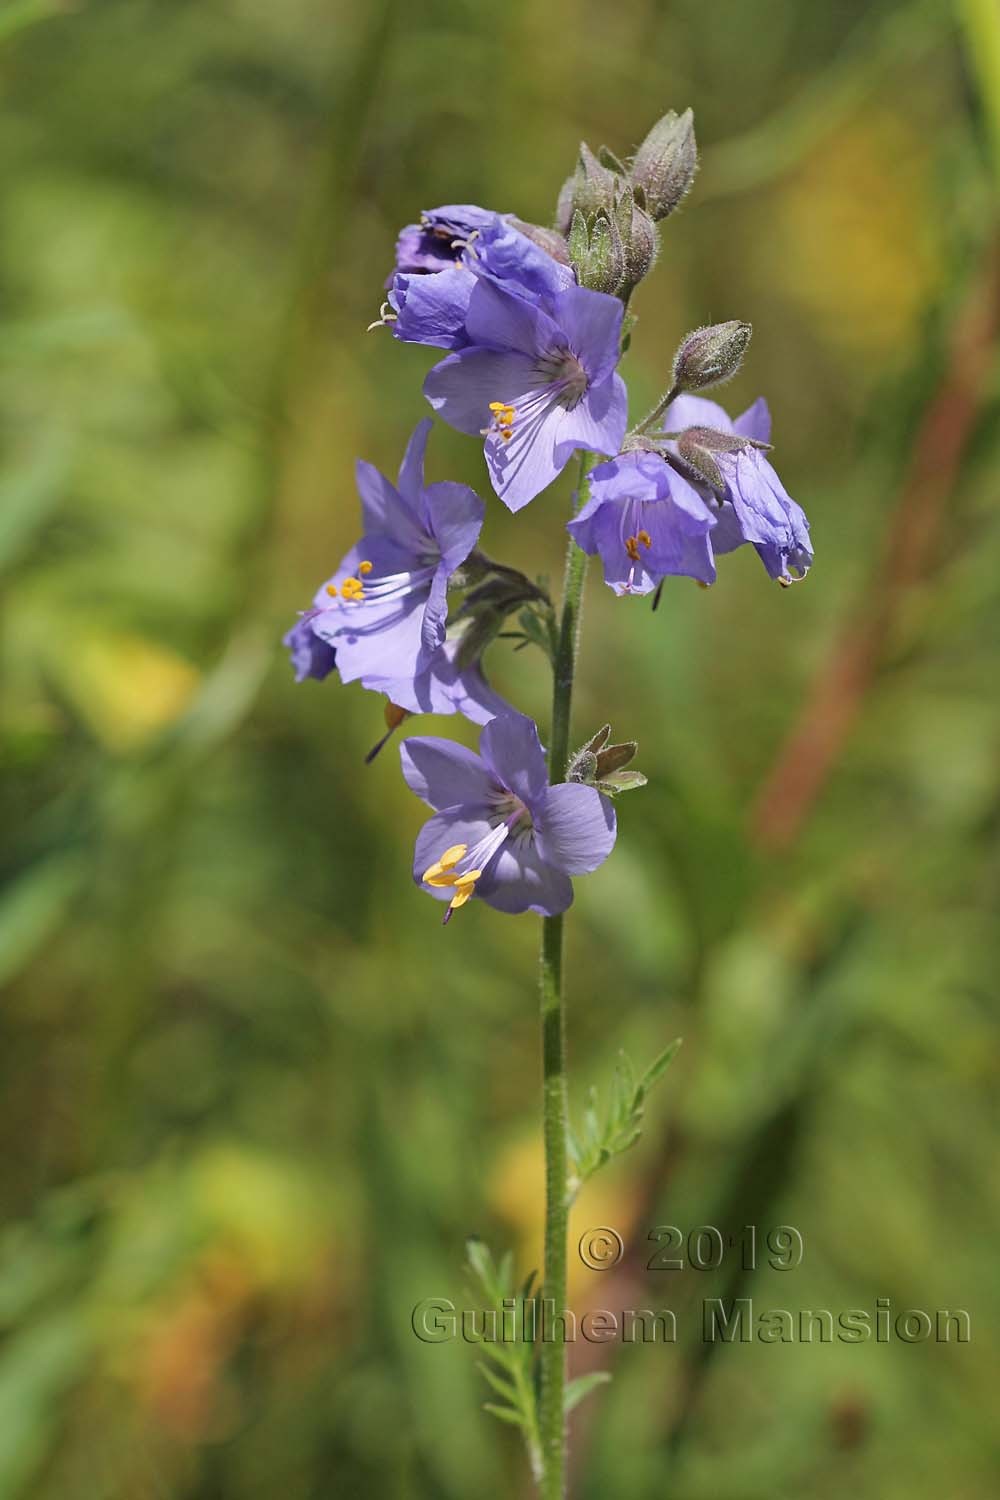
(708, 356)
(665, 163)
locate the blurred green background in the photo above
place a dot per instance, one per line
(253, 1098)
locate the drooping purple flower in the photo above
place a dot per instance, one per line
(645, 521)
(429, 293)
(384, 610)
(438, 241)
(755, 506)
(537, 381)
(500, 832)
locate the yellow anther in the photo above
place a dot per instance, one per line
(364, 568)
(642, 536)
(440, 873)
(467, 880)
(632, 548)
(460, 897)
(498, 406)
(331, 589)
(352, 588)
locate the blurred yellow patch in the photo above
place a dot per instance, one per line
(127, 688)
(517, 1193)
(858, 227)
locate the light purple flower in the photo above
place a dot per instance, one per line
(537, 381)
(645, 521)
(500, 832)
(384, 610)
(755, 507)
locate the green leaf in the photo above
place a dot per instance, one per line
(505, 1413)
(581, 1387)
(658, 1067)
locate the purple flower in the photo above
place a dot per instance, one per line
(645, 521)
(441, 236)
(537, 381)
(755, 507)
(432, 308)
(384, 610)
(500, 831)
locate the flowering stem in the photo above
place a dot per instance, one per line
(552, 1424)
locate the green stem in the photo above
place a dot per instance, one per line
(552, 1424)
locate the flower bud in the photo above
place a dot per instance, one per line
(710, 355)
(597, 252)
(638, 235)
(698, 445)
(592, 187)
(665, 163)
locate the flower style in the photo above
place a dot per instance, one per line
(384, 610)
(645, 521)
(537, 381)
(755, 506)
(500, 832)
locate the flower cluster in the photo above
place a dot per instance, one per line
(532, 324)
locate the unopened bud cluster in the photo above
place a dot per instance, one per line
(607, 210)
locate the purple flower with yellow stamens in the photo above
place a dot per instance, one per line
(500, 832)
(384, 610)
(538, 382)
(754, 505)
(645, 521)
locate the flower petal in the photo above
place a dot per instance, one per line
(444, 773)
(575, 828)
(598, 422)
(521, 468)
(518, 879)
(453, 515)
(500, 319)
(695, 411)
(510, 746)
(411, 470)
(592, 325)
(755, 422)
(385, 512)
(431, 309)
